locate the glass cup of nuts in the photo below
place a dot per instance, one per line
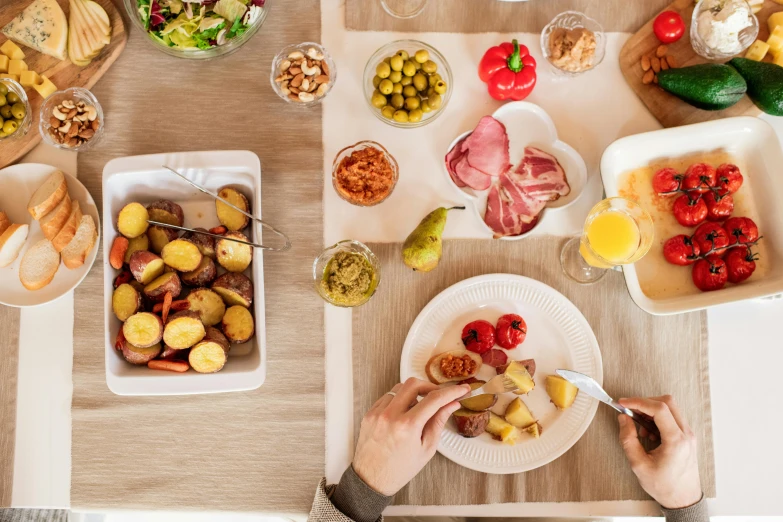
(303, 74)
(71, 119)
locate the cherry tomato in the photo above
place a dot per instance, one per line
(710, 273)
(681, 250)
(741, 263)
(711, 238)
(666, 182)
(699, 176)
(479, 336)
(741, 230)
(668, 27)
(728, 179)
(718, 207)
(510, 331)
(689, 212)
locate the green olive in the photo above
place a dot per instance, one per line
(401, 116)
(18, 111)
(3, 100)
(386, 86)
(435, 101)
(425, 106)
(383, 70)
(10, 126)
(5, 111)
(440, 87)
(415, 115)
(388, 112)
(19, 121)
(12, 98)
(378, 100)
(421, 56)
(429, 67)
(412, 103)
(403, 54)
(408, 69)
(397, 101)
(409, 90)
(395, 76)
(420, 82)
(430, 92)
(417, 65)
(376, 81)
(3, 134)
(3, 89)
(433, 79)
(387, 60)
(397, 89)
(406, 80)
(396, 63)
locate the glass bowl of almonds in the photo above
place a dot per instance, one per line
(303, 74)
(71, 119)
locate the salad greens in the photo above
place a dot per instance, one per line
(198, 24)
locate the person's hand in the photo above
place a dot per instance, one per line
(398, 437)
(670, 472)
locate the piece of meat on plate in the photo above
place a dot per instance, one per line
(452, 157)
(541, 175)
(470, 176)
(500, 217)
(520, 202)
(487, 147)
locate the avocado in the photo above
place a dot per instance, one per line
(765, 84)
(708, 86)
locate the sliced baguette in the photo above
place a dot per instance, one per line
(11, 242)
(48, 195)
(53, 222)
(4, 222)
(66, 233)
(80, 246)
(39, 264)
(435, 374)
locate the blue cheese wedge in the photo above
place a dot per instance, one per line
(41, 26)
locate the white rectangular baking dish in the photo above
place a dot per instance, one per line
(141, 178)
(754, 143)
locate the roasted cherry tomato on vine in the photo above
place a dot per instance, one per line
(718, 207)
(711, 239)
(710, 273)
(681, 250)
(509, 71)
(700, 177)
(740, 263)
(728, 179)
(668, 27)
(741, 230)
(510, 331)
(688, 211)
(666, 182)
(478, 336)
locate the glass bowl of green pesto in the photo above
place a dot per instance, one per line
(346, 274)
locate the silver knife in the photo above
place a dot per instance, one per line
(593, 389)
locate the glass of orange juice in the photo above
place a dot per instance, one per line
(617, 232)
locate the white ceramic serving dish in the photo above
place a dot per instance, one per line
(755, 145)
(527, 125)
(559, 337)
(18, 183)
(141, 178)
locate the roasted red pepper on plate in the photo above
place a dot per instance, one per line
(509, 71)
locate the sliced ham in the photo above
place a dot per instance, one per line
(472, 177)
(452, 157)
(521, 203)
(500, 216)
(487, 147)
(541, 176)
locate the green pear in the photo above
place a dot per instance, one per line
(424, 247)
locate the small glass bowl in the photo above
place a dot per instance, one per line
(411, 46)
(574, 20)
(404, 9)
(746, 37)
(348, 245)
(16, 88)
(347, 151)
(302, 47)
(78, 95)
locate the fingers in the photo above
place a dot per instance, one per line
(385, 399)
(660, 413)
(408, 394)
(676, 412)
(630, 441)
(434, 427)
(435, 401)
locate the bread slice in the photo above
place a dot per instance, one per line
(39, 264)
(4, 222)
(80, 246)
(435, 374)
(66, 233)
(11, 242)
(52, 222)
(48, 195)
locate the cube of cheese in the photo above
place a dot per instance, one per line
(774, 20)
(7, 76)
(775, 40)
(4, 63)
(757, 51)
(46, 88)
(12, 51)
(29, 79)
(17, 67)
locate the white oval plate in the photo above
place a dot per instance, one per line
(18, 183)
(558, 337)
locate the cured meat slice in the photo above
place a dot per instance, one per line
(487, 147)
(520, 202)
(452, 157)
(500, 217)
(470, 176)
(541, 176)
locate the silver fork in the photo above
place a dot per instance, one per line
(498, 384)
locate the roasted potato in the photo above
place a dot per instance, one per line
(157, 289)
(529, 364)
(145, 266)
(208, 305)
(471, 423)
(517, 372)
(502, 430)
(132, 220)
(143, 329)
(181, 255)
(160, 237)
(233, 256)
(238, 325)
(203, 275)
(518, 414)
(135, 355)
(228, 216)
(481, 402)
(183, 330)
(235, 289)
(125, 301)
(560, 391)
(211, 353)
(141, 242)
(166, 211)
(205, 244)
(535, 430)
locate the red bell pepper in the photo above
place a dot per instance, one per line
(509, 71)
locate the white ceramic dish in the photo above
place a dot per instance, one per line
(558, 337)
(755, 145)
(18, 183)
(141, 178)
(527, 124)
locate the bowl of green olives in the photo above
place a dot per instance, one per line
(407, 83)
(15, 117)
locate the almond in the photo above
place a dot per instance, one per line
(656, 64)
(648, 77)
(664, 64)
(297, 80)
(294, 70)
(646, 63)
(325, 68)
(672, 61)
(318, 79)
(661, 51)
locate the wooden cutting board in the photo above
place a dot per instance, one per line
(62, 73)
(668, 109)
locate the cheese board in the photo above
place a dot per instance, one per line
(667, 109)
(62, 73)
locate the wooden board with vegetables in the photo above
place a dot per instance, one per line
(90, 33)
(670, 110)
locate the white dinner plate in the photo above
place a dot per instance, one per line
(17, 184)
(558, 337)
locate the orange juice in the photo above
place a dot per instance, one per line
(614, 236)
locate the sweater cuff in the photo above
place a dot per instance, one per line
(694, 513)
(356, 500)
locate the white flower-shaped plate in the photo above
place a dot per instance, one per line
(558, 336)
(528, 125)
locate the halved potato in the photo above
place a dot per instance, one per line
(480, 402)
(502, 430)
(208, 305)
(205, 244)
(233, 256)
(125, 301)
(160, 237)
(145, 266)
(211, 353)
(181, 255)
(205, 273)
(166, 211)
(143, 329)
(141, 242)
(560, 391)
(168, 282)
(535, 430)
(471, 423)
(135, 355)
(228, 216)
(238, 325)
(518, 414)
(183, 330)
(235, 289)
(132, 220)
(517, 372)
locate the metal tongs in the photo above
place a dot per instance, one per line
(287, 245)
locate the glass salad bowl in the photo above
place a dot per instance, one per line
(196, 30)
(21, 125)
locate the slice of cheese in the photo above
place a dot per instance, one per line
(29, 79)
(17, 67)
(7, 76)
(4, 63)
(757, 51)
(46, 88)
(775, 41)
(41, 26)
(774, 20)
(11, 50)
